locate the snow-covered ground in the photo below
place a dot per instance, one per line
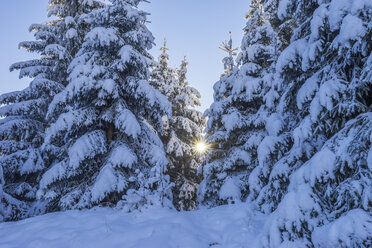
(233, 226)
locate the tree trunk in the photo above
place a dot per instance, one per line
(110, 132)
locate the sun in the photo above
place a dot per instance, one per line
(201, 147)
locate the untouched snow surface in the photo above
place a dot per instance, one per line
(233, 226)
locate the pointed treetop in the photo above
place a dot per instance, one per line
(164, 57)
(184, 61)
(164, 49)
(182, 71)
(227, 46)
(228, 61)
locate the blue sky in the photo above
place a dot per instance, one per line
(194, 28)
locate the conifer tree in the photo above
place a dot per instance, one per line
(325, 176)
(105, 119)
(22, 130)
(238, 118)
(274, 142)
(185, 129)
(181, 131)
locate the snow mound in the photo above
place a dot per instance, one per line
(227, 226)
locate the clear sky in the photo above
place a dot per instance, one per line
(194, 28)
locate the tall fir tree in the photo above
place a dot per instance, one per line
(22, 129)
(240, 116)
(184, 131)
(181, 131)
(105, 119)
(274, 142)
(325, 176)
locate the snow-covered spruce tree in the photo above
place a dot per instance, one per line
(240, 114)
(185, 129)
(106, 130)
(275, 142)
(321, 189)
(22, 129)
(181, 131)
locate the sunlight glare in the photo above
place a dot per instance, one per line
(201, 147)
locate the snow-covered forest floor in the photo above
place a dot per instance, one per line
(233, 226)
